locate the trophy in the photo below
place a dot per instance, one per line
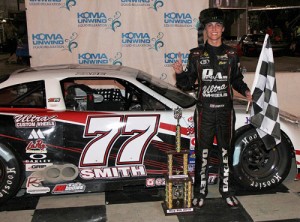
(178, 199)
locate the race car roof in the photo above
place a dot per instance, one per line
(69, 70)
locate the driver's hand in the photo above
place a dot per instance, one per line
(177, 66)
(248, 96)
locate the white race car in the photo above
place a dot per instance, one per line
(75, 128)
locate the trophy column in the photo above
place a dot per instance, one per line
(178, 189)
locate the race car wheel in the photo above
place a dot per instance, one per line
(10, 173)
(256, 168)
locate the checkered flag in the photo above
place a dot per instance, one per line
(265, 111)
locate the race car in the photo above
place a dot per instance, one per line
(82, 128)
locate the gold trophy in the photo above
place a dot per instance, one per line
(178, 189)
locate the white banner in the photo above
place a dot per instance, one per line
(143, 34)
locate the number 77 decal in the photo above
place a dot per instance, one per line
(105, 130)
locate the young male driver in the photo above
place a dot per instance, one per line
(215, 67)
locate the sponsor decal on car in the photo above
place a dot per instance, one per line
(37, 146)
(191, 167)
(34, 185)
(54, 100)
(192, 143)
(34, 121)
(192, 157)
(68, 188)
(36, 167)
(213, 178)
(36, 134)
(150, 182)
(155, 182)
(37, 158)
(113, 172)
(140, 129)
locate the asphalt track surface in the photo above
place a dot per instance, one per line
(143, 205)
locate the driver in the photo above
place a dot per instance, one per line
(215, 66)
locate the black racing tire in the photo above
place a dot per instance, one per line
(254, 167)
(10, 173)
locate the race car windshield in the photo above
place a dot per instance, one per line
(167, 90)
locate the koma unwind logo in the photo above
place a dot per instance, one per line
(46, 40)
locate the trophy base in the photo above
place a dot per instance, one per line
(176, 210)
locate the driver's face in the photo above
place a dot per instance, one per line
(214, 31)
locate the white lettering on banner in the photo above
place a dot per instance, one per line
(113, 172)
(105, 130)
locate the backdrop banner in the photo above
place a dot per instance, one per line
(143, 34)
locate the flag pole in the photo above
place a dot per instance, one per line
(257, 71)
(248, 105)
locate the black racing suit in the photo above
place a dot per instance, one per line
(216, 69)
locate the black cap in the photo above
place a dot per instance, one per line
(211, 15)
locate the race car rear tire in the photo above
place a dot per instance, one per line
(10, 173)
(256, 168)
